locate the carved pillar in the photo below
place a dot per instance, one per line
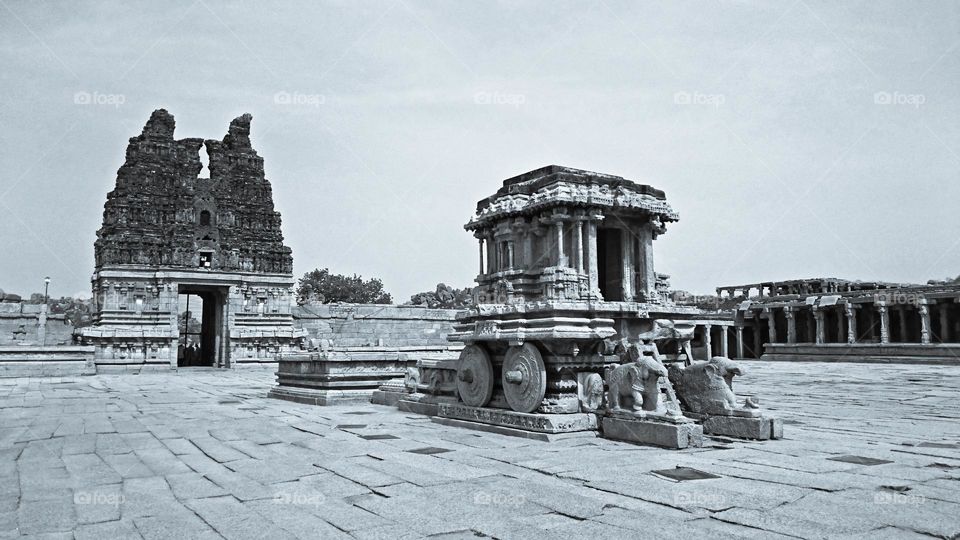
(924, 324)
(626, 252)
(561, 256)
(593, 272)
(851, 323)
(708, 340)
(510, 254)
(821, 331)
(791, 316)
(724, 342)
(944, 324)
(739, 330)
(647, 285)
(578, 237)
(884, 323)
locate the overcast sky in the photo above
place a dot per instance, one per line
(796, 139)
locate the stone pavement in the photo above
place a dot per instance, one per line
(203, 454)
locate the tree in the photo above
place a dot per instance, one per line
(445, 297)
(322, 287)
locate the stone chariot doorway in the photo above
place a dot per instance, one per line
(202, 338)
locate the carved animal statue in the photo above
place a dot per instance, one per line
(665, 330)
(707, 387)
(591, 398)
(411, 380)
(637, 381)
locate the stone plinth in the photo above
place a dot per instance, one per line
(540, 423)
(348, 375)
(760, 428)
(652, 432)
(389, 393)
(51, 361)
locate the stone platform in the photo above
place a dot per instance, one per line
(871, 451)
(538, 423)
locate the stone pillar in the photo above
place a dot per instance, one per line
(884, 323)
(757, 341)
(791, 325)
(821, 330)
(561, 256)
(481, 256)
(739, 330)
(924, 323)
(593, 272)
(626, 252)
(578, 240)
(647, 286)
(944, 324)
(851, 323)
(708, 340)
(510, 254)
(724, 342)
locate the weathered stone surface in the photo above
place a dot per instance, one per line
(542, 423)
(683, 435)
(761, 428)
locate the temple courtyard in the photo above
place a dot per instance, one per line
(870, 451)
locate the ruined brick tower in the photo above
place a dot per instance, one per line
(169, 234)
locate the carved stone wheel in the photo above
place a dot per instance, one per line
(524, 378)
(475, 376)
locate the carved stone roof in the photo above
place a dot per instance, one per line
(161, 214)
(555, 185)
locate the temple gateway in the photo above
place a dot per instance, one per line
(190, 270)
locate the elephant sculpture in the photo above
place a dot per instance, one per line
(636, 381)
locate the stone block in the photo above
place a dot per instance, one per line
(541, 423)
(641, 431)
(761, 428)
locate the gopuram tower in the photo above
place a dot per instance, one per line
(190, 271)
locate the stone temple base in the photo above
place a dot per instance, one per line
(760, 428)
(320, 397)
(642, 431)
(503, 418)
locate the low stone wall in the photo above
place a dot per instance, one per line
(20, 325)
(874, 353)
(51, 361)
(370, 325)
